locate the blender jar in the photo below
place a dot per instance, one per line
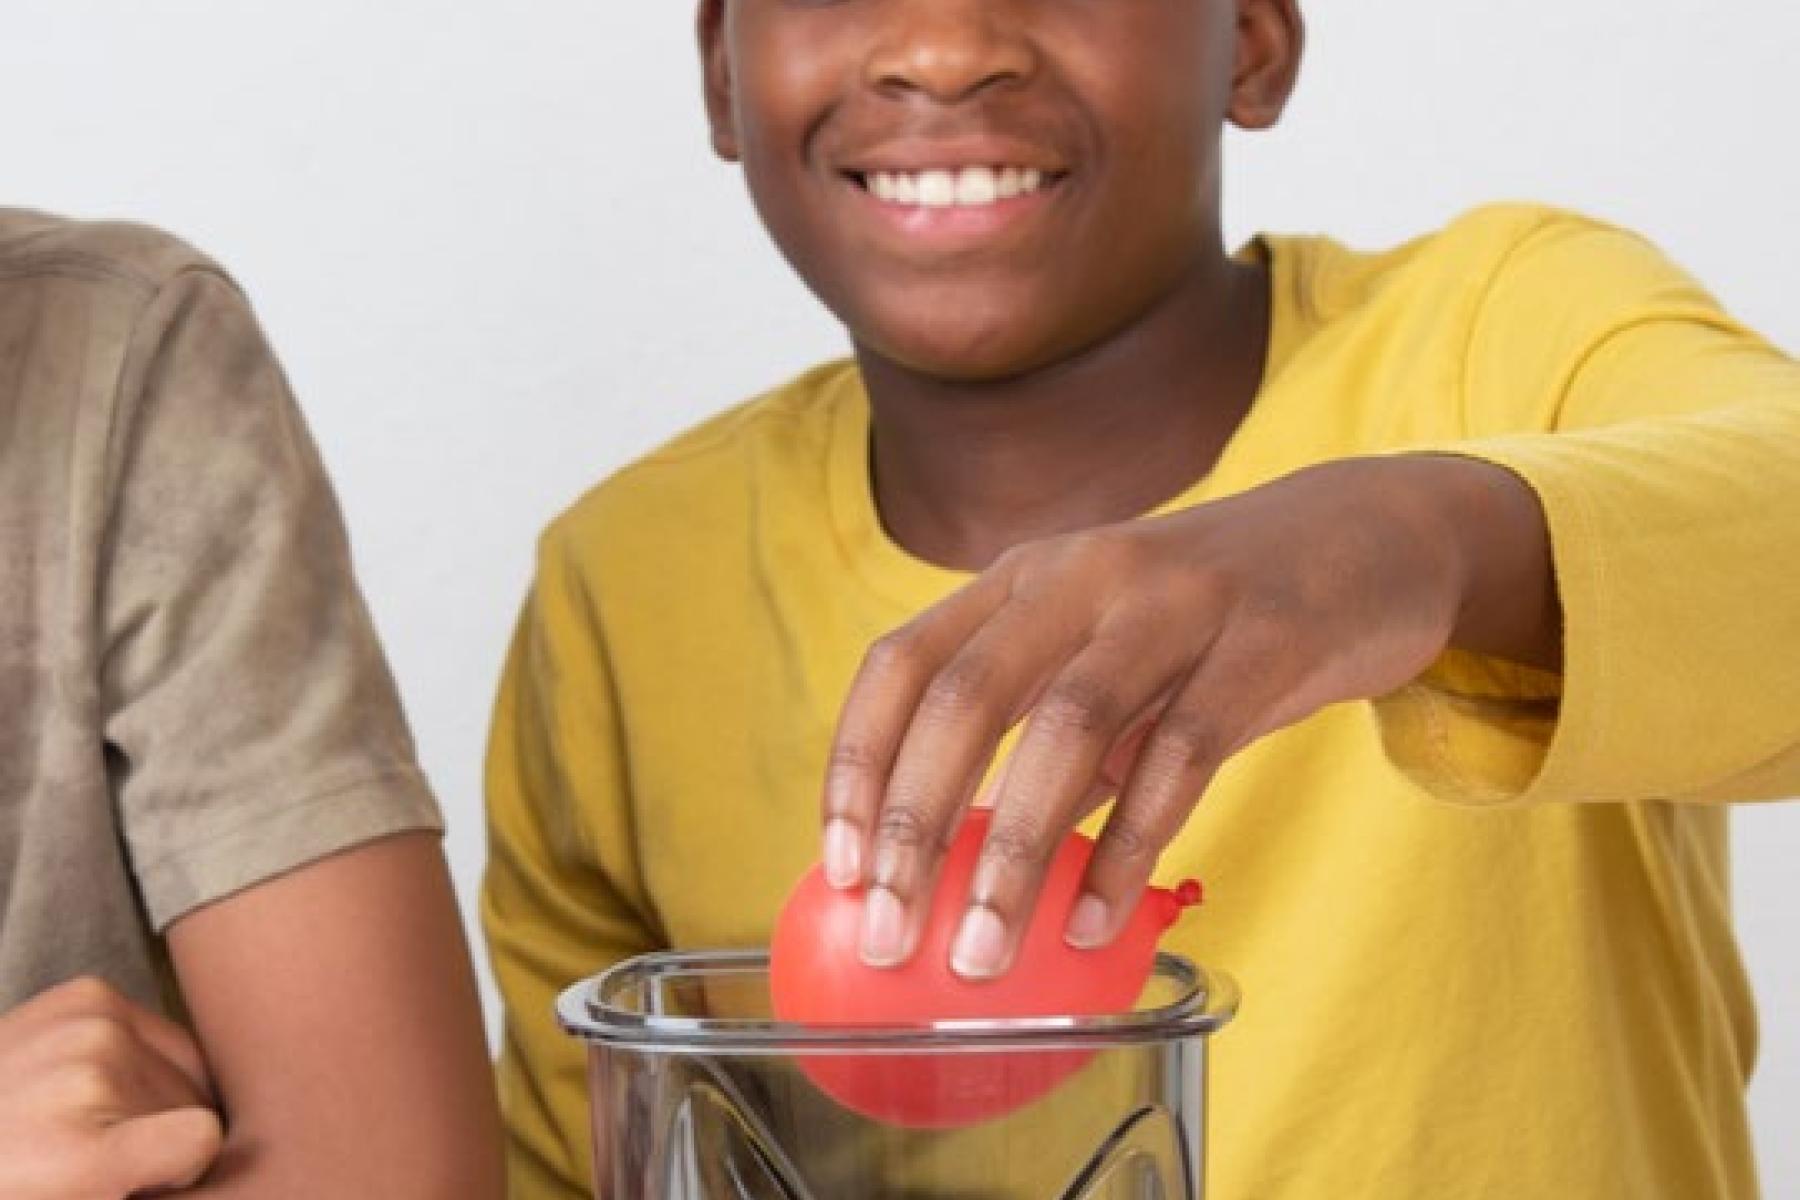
(698, 1093)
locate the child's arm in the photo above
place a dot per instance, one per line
(1661, 448)
(276, 825)
(1668, 477)
(336, 1006)
(562, 897)
(346, 1052)
(1197, 633)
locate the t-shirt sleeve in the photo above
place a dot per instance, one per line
(563, 895)
(250, 721)
(1663, 441)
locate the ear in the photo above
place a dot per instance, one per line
(1271, 36)
(715, 71)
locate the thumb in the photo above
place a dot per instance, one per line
(163, 1150)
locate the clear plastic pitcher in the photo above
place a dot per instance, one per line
(698, 1093)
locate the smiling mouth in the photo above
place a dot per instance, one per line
(964, 187)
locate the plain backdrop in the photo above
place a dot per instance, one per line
(499, 260)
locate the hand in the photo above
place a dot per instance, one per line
(1145, 655)
(102, 1099)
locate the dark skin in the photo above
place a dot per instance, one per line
(1041, 372)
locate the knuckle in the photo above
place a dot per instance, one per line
(1081, 704)
(1032, 567)
(1016, 844)
(94, 1039)
(1080, 551)
(1129, 842)
(961, 687)
(903, 827)
(1015, 558)
(1187, 740)
(87, 1086)
(1271, 624)
(1216, 587)
(892, 652)
(89, 993)
(853, 758)
(1114, 551)
(1143, 619)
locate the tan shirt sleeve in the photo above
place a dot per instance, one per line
(251, 722)
(1663, 440)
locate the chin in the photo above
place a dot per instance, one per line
(961, 341)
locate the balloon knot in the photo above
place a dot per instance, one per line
(1189, 893)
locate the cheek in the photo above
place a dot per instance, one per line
(777, 106)
(789, 205)
(1160, 193)
(1158, 79)
(788, 73)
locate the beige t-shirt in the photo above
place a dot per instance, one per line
(192, 698)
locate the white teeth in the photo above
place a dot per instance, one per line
(937, 189)
(969, 187)
(977, 185)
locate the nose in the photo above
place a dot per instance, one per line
(950, 50)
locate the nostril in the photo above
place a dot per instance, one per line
(951, 60)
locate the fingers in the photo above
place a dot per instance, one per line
(101, 1095)
(165, 1150)
(1086, 717)
(99, 1024)
(876, 716)
(104, 1073)
(74, 997)
(1242, 688)
(1076, 632)
(969, 704)
(175, 1047)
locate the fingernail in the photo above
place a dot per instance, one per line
(980, 947)
(1088, 923)
(884, 928)
(989, 873)
(887, 862)
(843, 854)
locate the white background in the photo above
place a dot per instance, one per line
(498, 259)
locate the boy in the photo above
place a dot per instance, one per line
(230, 962)
(1465, 601)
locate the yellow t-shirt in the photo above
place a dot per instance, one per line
(1482, 925)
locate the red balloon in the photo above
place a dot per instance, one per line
(816, 977)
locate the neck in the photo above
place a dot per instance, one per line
(964, 470)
